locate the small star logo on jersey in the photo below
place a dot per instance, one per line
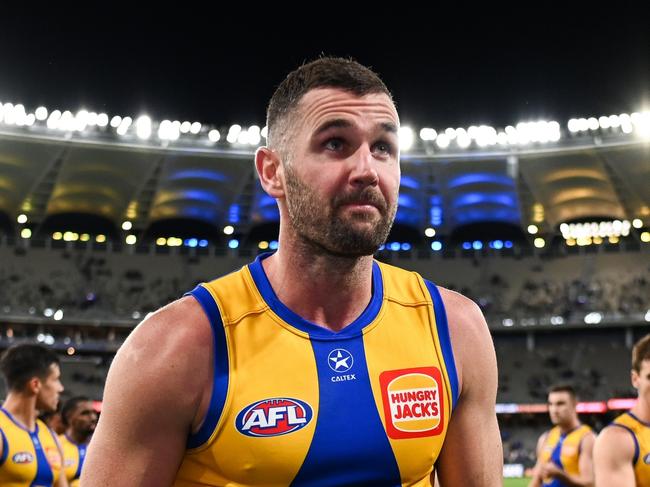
(340, 360)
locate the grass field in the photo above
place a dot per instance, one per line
(515, 482)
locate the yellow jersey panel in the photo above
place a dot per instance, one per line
(74, 455)
(563, 449)
(296, 404)
(29, 458)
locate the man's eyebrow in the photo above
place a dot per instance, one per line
(342, 123)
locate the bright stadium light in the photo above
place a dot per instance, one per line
(195, 128)
(102, 120)
(254, 136)
(539, 243)
(614, 121)
(463, 139)
(131, 239)
(574, 125)
(116, 121)
(264, 132)
(233, 133)
(406, 138)
(427, 134)
(442, 141)
(124, 125)
(228, 229)
(143, 127)
(22, 218)
(243, 137)
(185, 127)
(642, 125)
(214, 135)
(26, 233)
(127, 225)
(41, 113)
(450, 133)
(430, 232)
(604, 122)
(637, 223)
(532, 229)
(30, 119)
(593, 123)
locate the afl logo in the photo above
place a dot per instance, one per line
(22, 458)
(273, 417)
(340, 360)
(413, 402)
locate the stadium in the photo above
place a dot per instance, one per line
(544, 224)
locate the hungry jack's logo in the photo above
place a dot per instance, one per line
(413, 402)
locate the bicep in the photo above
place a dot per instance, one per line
(586, 461)
(613, 456)
(472, 452)
(146, 413)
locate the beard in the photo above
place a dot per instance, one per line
(323, 224)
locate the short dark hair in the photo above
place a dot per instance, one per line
(325, 72)
(69, 407)
(20, 363)
(569, 389)
(640, 352)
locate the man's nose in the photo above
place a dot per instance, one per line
(364, 171)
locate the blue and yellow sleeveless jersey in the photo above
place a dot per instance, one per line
(29, 458)
(563, 450)
(74, 455)
(640, 431)
(296, 404)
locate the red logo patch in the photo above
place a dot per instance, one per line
(414, 404)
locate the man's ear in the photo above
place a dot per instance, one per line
(34, 385)
(269, 170)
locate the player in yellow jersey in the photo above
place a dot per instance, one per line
(29, 452)
(80, 419)
(622, 452)
(565, 452)
(315, 365)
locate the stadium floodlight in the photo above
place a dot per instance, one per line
(593, 123)
(436, 245)
(532, 229)
(513, 137)
(645, 237)
(243, 137)
(263, 245)
(185, 127)
(583, 125)
(574, 125)
(9, 114)
(614, 121)
(116, 121)
(428, 134)
(254, 137)
(502, 138)
(164, 130)
(195, 128)
(442, 141)
(22, 218)
(58, 316)
(92, 118)
(131, 239)
(127, 225)
(593, 318)
(30, 119)
(233, 133)
(473, 131)
(26, 233)
(450, 133)
(540, 243)
(102, 120)
(406, 138)
(124, 125)
(463, 140)
(273, 245)
(637, 223)
(430, 232)
(642, 125)
(41, 113)
(233, 243)
(214, 135)
(161, 241)
(604, 122)
(143, 127)
(264, 132)
(228, 230)
(100, 238)
(477, 245)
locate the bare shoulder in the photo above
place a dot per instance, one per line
(170, 350)
(614, 442)
(470, 337)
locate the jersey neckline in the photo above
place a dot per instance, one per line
(315, 331)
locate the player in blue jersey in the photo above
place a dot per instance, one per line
(332, 164)
(29, 451)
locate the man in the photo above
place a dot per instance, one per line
(564, 453)
(80, 418)
(314, 365)
(29, 451)
(622, 451)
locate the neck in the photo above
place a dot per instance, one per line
(23, 408)
(641, 410)
(565, 428)
(328, 290)
(78, 437)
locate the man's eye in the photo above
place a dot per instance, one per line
(334, 144)
(384, 147)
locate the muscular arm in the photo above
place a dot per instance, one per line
(613, 457)
(154, 396)
(472, 454)
(536, 481)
